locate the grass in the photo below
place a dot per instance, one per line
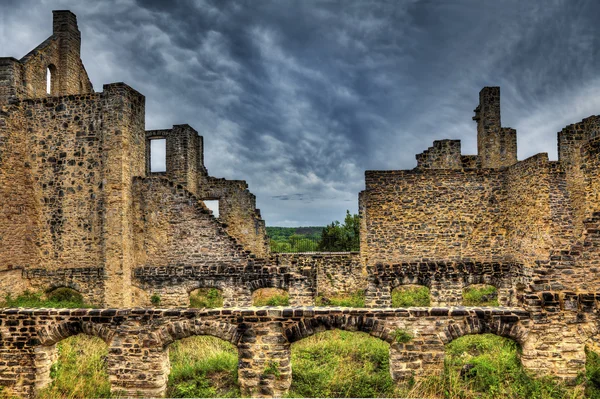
(206, 298)
(353, 300)
(80, 371)
(329, 364)
(410, 295)
(494, 371)
(270, 297)
(203, 367)
(480, 295)
(59, 298)
(341, 364)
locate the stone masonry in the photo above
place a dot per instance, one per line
(81, 208)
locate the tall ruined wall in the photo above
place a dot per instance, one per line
(433, 215)
(67, 166)
(237, 209)
(172, 228)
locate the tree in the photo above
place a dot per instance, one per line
(338, 237)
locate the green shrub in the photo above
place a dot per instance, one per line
(480, 295)
(353, 300)
(402, 336)
(410, 295)
(155, 299)
(206, 298)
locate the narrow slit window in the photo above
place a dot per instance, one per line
(48, 80)
(158, 155)
(213, 205)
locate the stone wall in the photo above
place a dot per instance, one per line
(333, 273)
(138, 339)
(427, 214)
(237, 209)
(66, 166)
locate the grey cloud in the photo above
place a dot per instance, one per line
(299, 98)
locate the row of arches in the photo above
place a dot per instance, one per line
(333, 362)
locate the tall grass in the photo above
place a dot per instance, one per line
(203, 367)
(341, 364)
(80, 371)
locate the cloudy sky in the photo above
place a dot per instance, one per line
(299, 98)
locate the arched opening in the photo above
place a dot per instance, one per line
(342, 364)
(270, 297)
(489, 366)
(410, 295)
(50, 79)
(75, 368)
(203, 367)
(65, 297)
(206, 298)
(480, 295)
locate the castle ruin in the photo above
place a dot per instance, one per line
(81, 208)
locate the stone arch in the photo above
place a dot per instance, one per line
(177, 330)
(474, 325)
(305, 328)
(54, 333)
(280, 283)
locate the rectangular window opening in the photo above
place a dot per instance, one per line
(213, 205)
(158, 155)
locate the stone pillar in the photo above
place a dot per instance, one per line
(419, 357)
(446, 292)
(264, 361)
(378, 293)
(236, 294)
(137, 369)
(555, 348)
(301, 292)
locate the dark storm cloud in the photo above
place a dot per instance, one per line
(300, 97)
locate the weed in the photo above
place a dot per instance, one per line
(402, 336)
(155, 299)
(272, 368)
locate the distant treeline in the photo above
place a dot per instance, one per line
(335, 237)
